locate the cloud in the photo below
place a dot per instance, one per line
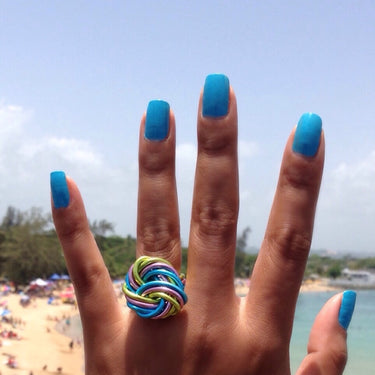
(247, 149)
(346, 210)
(26, 162)
(350, 187)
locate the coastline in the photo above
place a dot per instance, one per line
(308, 286)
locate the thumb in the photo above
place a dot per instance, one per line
(327, 350)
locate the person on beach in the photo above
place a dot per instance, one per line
(216, 332)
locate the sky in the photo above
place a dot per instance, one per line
(76, 77)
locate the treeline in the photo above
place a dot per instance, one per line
(29, 248)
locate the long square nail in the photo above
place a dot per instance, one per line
(215, 102)
(347, 308)
(59, 189)
(157, 120)
(307, 136)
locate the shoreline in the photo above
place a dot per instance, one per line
(73, 330)
(308, 286)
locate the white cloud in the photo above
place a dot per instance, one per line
(346, 210)
(351, 186)
(26, 162)
(247, 149)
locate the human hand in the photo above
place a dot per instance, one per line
(216, 332)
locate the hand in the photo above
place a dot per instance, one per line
(216, 332)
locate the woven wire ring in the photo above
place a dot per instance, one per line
(153, 288)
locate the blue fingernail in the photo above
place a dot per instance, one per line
(215, 96)
(307, 135)
(59, 188)
(157, 120)
(347, 308)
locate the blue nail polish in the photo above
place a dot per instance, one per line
(347, 308)
(59, 188)
(307, 135)
(215, 96)
(157, 120)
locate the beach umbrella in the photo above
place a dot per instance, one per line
(5, 312)
(55, 277)
(65, 277)
(39, 282)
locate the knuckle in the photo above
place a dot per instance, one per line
(85, 282)
(159, 238)
(217, 220)
(300, 177)
(290, 243)
(155, 162)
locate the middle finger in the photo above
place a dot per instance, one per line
(215, 203)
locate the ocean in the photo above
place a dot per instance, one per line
(361, 332)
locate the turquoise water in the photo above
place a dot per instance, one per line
(361, 332)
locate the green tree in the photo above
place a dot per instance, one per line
(334, 271)
(118, 254)
(30, 248)
(102, 227)
(241, 267)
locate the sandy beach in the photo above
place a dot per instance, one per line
(40, 349)
(38, 345)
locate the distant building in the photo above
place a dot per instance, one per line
(357, 275)
(355, 279)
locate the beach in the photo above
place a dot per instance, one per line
(43, 332)
(38, 344)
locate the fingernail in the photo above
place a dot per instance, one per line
(157, 120)
(59, 189)
(307, 135)
(347, 308)
(215, 96)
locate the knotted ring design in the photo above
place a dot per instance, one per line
(153, 288)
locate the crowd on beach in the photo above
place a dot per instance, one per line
(24, 310)
(37, 320)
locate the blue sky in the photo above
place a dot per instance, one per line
(75, 78)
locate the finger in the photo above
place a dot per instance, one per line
(158, 229)
(92, 283)
(281, 262)
(327, 349)
(215, 202)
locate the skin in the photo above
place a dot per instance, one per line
(216, 332)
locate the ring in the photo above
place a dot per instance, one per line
(154, 289)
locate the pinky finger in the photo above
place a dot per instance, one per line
(327, 349)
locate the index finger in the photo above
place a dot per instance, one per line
(279, 270)
(87, 270)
